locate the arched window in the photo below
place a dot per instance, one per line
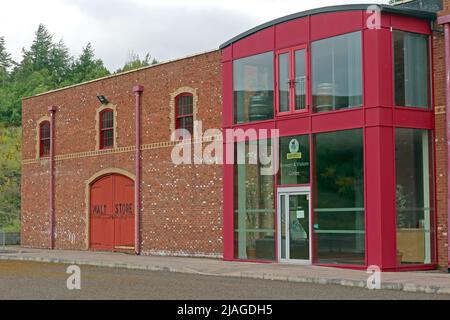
(44, 139)
(107, 129)
(184, 112)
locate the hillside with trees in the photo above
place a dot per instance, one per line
(46, 65)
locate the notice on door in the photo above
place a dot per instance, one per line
(300, 214)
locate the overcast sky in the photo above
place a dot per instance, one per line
(166, 29)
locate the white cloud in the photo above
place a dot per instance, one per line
(166, 29)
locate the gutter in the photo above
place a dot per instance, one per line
(445, 20)
(52, 110)
(138, 90)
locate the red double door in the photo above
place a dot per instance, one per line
(112, 214)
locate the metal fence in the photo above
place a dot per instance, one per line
(9, 238)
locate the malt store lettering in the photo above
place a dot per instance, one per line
(120, 209)
(99, 210)
(123, 209)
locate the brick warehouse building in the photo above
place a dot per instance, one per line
(192, 226)
(307, 75)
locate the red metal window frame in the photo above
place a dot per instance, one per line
(44, 139)
(179, 117)
(103, 130)
(292, 89)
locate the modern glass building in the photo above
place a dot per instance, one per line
(350, 92)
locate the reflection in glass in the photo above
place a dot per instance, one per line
(253, 85)
(411, 69)
(283, 226)
(413, 197)
(339, 210)
(299, 227)
(283, 82)
(254, 205)
(337, 72)
(294, 160)
(300, 79)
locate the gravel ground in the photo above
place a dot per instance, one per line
(30, 280)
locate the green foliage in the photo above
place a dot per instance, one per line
(10, 165)
(134, 62)
(12, 227)
(5, 63)
(39, 53)
(86, 67)
(60, 63)
(45, 66)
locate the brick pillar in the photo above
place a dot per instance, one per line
(442, 101)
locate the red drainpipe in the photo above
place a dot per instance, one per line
(445, 20)
(52, 110)
(447, 68)
(137, 183)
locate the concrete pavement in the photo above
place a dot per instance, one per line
(48, 281)
(420, 282)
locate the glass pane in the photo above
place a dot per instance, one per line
(186, 123)
(45, 148)
(295, 163)
(184, 105)
(254, 205)
(414, 197)
(107, 119)
(253, 82)
(283, 226)
(339, 212)
(45, 130)
(283, 82)
(300, 80)
(411, 69)
(299, 227)
(107, 138)
(337, 72)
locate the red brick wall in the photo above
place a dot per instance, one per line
(441, 144)
(441, 147)
(181, 206)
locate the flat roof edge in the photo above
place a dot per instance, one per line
(352, 7)
(120, 74)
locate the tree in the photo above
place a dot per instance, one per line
(134, 62)
(39, 53)
(9, 175)
(86, 67)
(59, 62)
(5, 62)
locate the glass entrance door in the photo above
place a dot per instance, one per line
(294, 228)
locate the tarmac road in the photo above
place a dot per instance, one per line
(30, 280)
